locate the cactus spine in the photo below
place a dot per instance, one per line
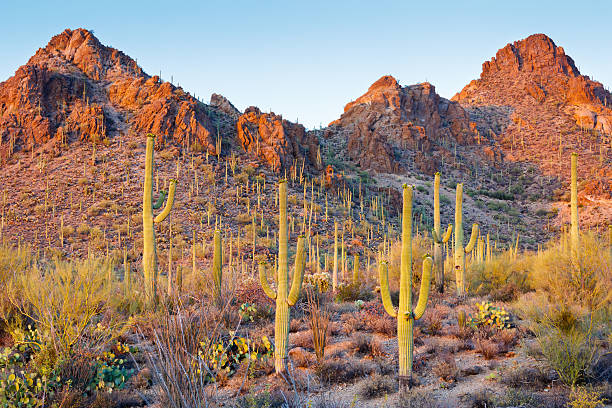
(149, 252)
(575, 229)
(283, 299)
(217, 270)
(460, 250)
(405, 315)
(438, 239)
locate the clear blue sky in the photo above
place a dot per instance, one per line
(307, 59)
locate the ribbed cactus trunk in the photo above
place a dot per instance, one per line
(438, 239)
(404, 326)
(284, 297)
(356, 269)
(335, 270)
(460, 250)
(405, 315)
(217, 271)
(575, 229)
(149, 251)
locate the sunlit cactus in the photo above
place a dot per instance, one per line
(460, 250)
(438, 239)
(217, 270)
(405, 314)
(575, 228)
(285, 296)
(149, 252)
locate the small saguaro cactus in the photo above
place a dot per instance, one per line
(405, 314)
(149, 252)
(438, 239)
(335, 269)
(460, 250)
(575, 229)
(356, 269)
(284, 296)
(217, 271)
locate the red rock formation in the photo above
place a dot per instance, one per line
(532, 98)
(389, 117)
(78, 89)
(277, 141)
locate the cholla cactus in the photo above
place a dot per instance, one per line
(438, 239)
(460, 250)
(405, 314)
(283, 299)
(149, 252)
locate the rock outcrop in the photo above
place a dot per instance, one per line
(224, 105)
(277, 141)
(390, 119)
(78, 89)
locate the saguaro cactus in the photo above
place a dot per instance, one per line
(575, 229)
(460, 250)
(404, 314)
(356, 269)
(438, 239)
(217, 271)
(335, 269)
(149, 252)
(284, 297)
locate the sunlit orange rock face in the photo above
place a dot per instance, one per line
(532, 98)
(389, 118)
(78, 89)
(280, 143)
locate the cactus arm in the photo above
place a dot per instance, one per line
(473, 238)
(449, 232)
(434, 236)
(298, 273)
(263, 280)
(162, 215)
(384, 289)
(160, 200)
(425, 283)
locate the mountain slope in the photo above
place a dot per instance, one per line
(533, 100)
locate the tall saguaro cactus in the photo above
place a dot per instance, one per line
(405, 314)
(460, 250)
(575, 229)
(285, 297)
(438, 239)
(335, 269)
(149, 252)
(217, 271)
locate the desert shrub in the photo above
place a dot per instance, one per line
(488, 348)
(522, 377)
(581, 397)
(66, 300)
(352, 292)
(446, 368)
(416, 399)
(341, 371)
(433, 322)
(318, 321)
(376, 386)
(571, 354)
(513, 397)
